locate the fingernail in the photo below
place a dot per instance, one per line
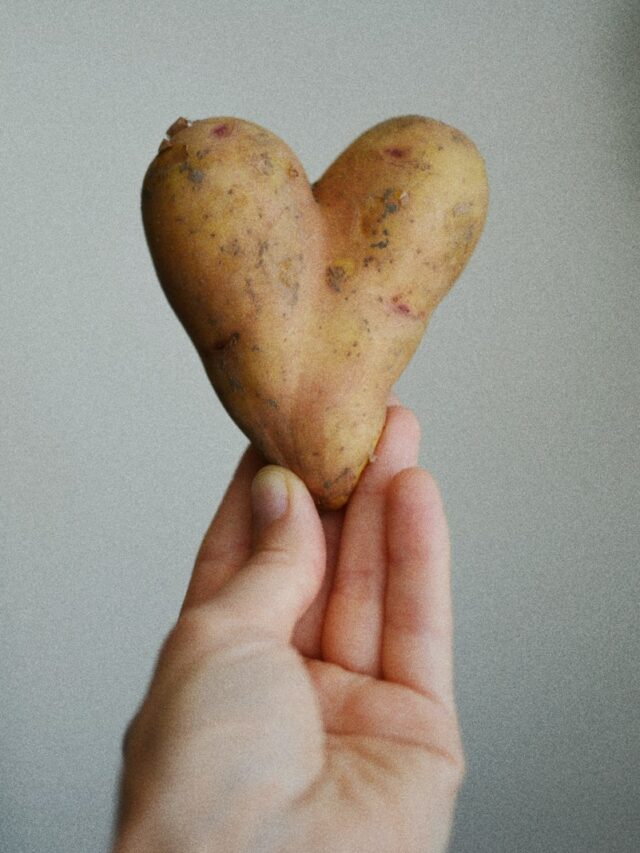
(269, 496)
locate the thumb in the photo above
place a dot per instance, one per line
(283, 575)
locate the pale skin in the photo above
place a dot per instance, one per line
(304, 699)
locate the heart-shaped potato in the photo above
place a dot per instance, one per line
(305, 302)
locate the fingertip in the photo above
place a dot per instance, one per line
(402, 421)
(412, 479)
(397, 448)
(415, 483)
(414, 497)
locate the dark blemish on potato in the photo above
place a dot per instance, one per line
(295, 287)
(251, 293)
(220, 131)
(227, 343)
(202, 153)
(272, 403)
(366, 261)
(169, 155)
(397, 153)
(292, 172)
(235, 383)
(196, 176)
(334, 277)
(456, 136)
(390, 207)
(256, 348)
(403, 308)
(263, 163)
(178, 125)
(231, 247)
(381, 245)
(326, 484)
(385, 231)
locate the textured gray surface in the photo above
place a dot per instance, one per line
(115, 451)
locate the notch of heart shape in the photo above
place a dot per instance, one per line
(306, 302)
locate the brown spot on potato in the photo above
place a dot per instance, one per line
(397, 153)
(170, 155)
(178, 125)
(226, 343)
(263, 163)
(335, 277)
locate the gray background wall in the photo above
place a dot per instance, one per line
(115, 452)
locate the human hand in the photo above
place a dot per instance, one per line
(304, 699)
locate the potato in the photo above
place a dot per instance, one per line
(305, 303)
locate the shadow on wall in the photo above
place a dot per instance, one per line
(624, 78)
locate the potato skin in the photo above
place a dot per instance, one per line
(306, 303)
